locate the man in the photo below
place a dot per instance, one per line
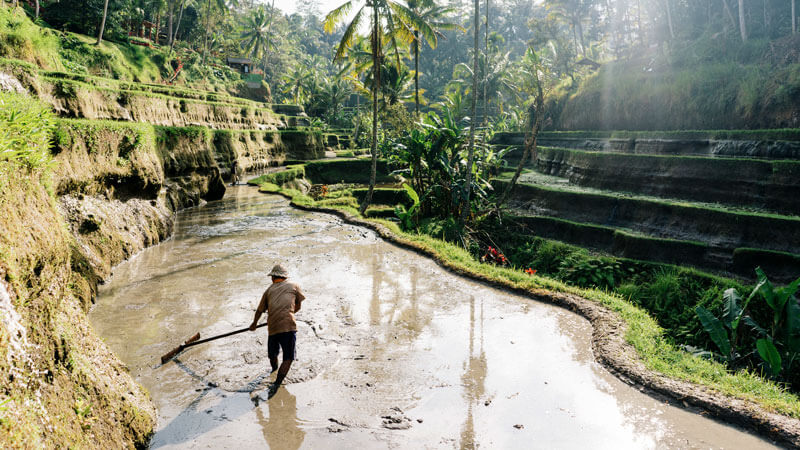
(235, 172)
(281, 300)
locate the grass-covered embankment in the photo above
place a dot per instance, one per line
(59, 51)
(637, 346)
(63, 387)
(764, 184)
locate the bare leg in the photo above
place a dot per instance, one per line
(284, 369)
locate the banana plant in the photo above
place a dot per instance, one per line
(409, 216)
(779, 346)
(724, 330)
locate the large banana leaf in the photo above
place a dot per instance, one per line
(768, 352)
(716, 330)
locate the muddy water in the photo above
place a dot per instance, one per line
(393, 351)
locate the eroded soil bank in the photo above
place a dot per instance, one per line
(393, 351)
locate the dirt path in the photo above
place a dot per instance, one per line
(393, 351)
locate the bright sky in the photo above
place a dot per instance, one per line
(289, 6)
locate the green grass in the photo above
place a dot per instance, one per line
(783, 134)
(26, 125)
(713, 94)
(647, 200)
(75, 54)
(622, 158)
(68, 88)
(346, 171)
(656, 350)
(279, 178)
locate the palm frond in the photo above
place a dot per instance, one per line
(334, 17)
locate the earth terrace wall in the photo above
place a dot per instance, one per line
(768, 185)
(706, 238)
(78, 100)
(256, 150)
(773, 144)
(113, 191)
(63, 387)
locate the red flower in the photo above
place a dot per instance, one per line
(530, 271)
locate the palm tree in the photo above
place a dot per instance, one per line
(172, 38)
(295, 82)
(426, 12)
(465, 205)
(384, 13)
(102, 24)
(223, 6)
(257, 39)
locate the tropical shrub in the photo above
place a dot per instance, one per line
(776, 342)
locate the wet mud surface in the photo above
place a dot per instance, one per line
(392, 350)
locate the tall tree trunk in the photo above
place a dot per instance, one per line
(535, 116)
(486, 71)
(465, 204)
(102, 24)
(376, 81)
(269, 27)
(172, 38)
(639, 21)
(742, 25)
(794, 19)
(37, 10)
(579, 30)
(208, 26)
(416, 72)
(170, 19)
(669, 20)
(729, 13)
(158, 28)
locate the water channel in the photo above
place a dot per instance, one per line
(392, 350)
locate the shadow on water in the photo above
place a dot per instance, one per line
(196, 419)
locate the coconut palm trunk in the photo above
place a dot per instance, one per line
(742, 24)
(172, 38)
(102, 24)
(416, 72)
(534, 123)
(376, 82)
(465, 205)
(486, 71)
(208, 25)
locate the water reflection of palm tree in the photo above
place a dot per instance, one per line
(280, 428)
(474, 377)
(377, 279)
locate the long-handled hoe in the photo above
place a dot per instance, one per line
(195, 340)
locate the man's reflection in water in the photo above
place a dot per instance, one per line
(280, 428)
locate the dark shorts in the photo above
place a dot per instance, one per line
(284, 342)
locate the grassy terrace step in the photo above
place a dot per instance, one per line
(623, 243)
(775, 144)
(117, 144)
(718, 227)
(163, 89)
(782, 134)
(102, 98)
(764, 184)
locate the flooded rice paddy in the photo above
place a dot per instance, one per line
(392, 350)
